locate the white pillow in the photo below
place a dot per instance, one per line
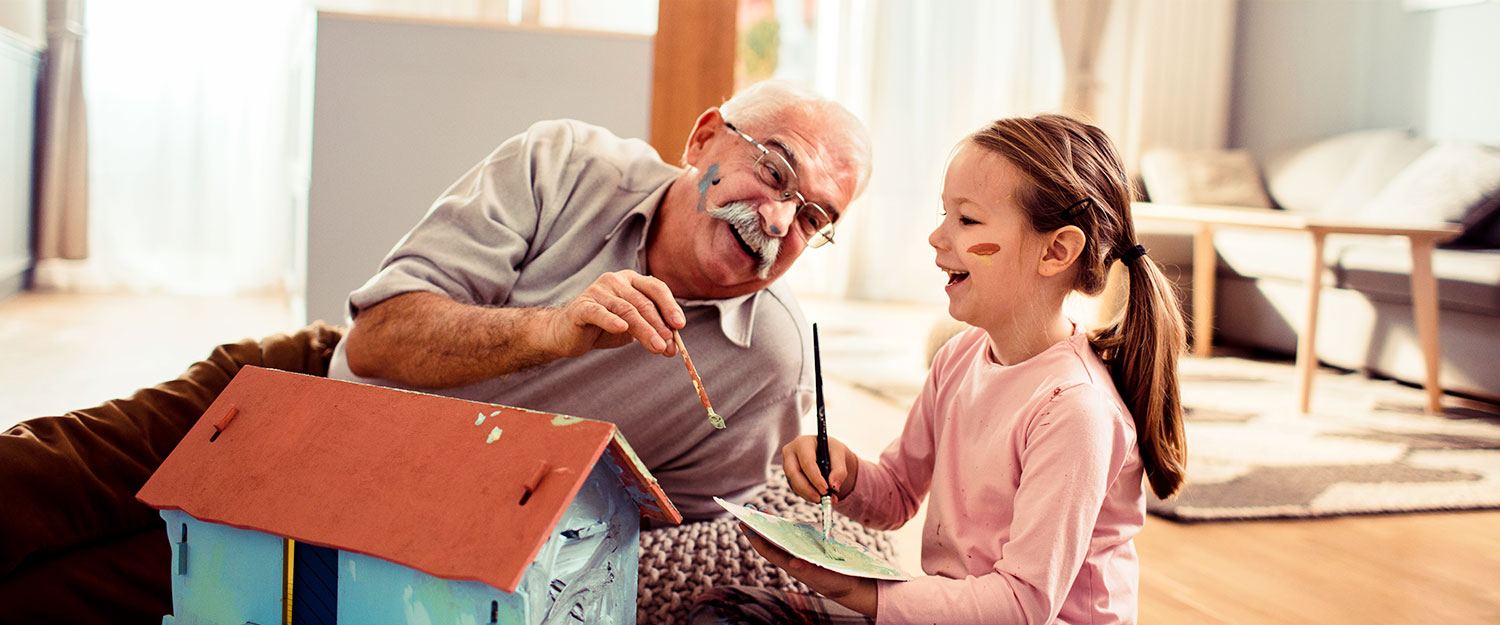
(1442, 185)
(1371, 172)
(1308, 178)
(1204, 177)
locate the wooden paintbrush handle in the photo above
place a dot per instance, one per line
(713, 417)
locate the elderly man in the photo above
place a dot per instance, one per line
(526, 280)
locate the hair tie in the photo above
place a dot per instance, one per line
(1074, 210)
(1129, 256)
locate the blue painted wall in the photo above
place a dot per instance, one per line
(231, 575)
(585, 572)
(372, 590)
(588, 566)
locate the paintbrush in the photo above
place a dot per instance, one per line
(824, 463)
(713, 417)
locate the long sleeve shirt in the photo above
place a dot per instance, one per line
(1036, 491)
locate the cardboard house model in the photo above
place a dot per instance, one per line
(302, 499)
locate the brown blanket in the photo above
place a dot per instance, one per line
(75, 545)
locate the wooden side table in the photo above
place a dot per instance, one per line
(1424, 301)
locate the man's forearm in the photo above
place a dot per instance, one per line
(428, 340)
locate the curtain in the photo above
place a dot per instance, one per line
(1164, 74)
(1080, 29)
(922, 75)
(196, 127)
(62, 143)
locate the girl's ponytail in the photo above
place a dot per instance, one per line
(1141, 348)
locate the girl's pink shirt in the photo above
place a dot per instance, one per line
(1036, 491)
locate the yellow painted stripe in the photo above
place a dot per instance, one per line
(286, 599)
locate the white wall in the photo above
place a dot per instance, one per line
(1306, 69)
(22, 37)
(402, 108)
(1463, 82)
(27, 19)
(19, 62)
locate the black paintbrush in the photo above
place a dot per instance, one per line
(824, 464)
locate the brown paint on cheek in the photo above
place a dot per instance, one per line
(982, 251)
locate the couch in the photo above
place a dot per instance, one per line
(1366, 324)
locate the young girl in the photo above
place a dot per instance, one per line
(1031, 435)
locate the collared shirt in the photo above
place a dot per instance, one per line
(534, 224)
(1035, 484)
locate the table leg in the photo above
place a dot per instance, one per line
(1307, 352)
(1205, 261)
(1425, 309)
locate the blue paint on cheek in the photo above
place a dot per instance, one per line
(709, 177)
(775, 229)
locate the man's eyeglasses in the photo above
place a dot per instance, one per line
(773, 171)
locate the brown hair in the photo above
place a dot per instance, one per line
(1067, 161)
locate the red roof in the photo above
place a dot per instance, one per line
(432, 483)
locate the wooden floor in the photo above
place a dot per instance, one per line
(1410, 568)
(68, 352)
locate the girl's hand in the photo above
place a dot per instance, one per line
(800, 459)
(856, 593)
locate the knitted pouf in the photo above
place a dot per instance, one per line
(680, 562)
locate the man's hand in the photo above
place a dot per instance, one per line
(428, 340)
(856, 593)
(617, 308)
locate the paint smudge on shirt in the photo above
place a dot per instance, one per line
(708, 178)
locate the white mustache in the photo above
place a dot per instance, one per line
(746, 221)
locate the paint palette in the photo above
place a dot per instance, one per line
(806, 542)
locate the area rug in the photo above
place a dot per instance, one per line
(1366, 448)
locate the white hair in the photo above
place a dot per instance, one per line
(770, 104)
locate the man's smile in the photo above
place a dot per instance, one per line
(750, 251)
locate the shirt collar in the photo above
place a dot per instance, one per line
(736, 315)
(644, 211)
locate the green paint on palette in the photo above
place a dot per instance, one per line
(808, 543)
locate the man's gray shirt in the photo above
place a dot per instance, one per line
(533, 225)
